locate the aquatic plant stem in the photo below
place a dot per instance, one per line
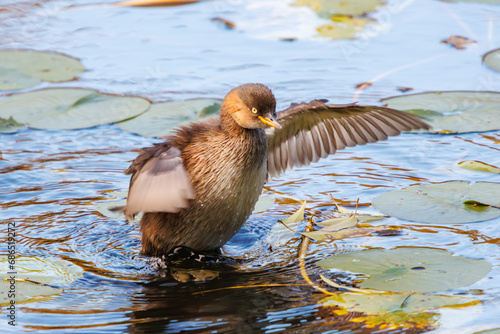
(302, 262)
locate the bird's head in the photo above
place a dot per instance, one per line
(252, 106)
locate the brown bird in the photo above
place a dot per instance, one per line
(198, 187)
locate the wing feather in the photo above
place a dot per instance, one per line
(159, 182)
(314, 130)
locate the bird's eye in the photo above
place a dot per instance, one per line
(254, 110)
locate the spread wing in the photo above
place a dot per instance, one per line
(314, 130)
(159, 182)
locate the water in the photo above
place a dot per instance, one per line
(50, 180)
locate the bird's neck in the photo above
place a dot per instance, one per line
(228, 123)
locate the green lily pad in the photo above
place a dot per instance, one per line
(343, 7)
(26, 68)
(452, 111)
(410, 269)
(9, 125)
(35, 278)
(163, 117)
(492, 59)
(397, 303)
(489, 331)
(444, 203)
(70, 108)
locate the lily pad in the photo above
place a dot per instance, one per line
(26, 68)
(444, 202)
(494, 2)
(163, 117)
(492, 59)
(70, 108)
(344, 27)
(479, 166)
(155, 3)
(396, 303)
(35, 277)
(410, 269)
(452, 111)
(9, 125)
(329, 7)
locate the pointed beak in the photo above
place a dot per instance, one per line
(270, 121)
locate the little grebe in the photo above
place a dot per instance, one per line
(198, 187)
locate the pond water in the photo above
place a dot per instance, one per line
(51, 180)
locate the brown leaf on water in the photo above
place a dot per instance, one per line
(228, 24)
(155, 3)
(363, 85)
(404, 89)
(459, 42)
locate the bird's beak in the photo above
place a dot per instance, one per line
(270, 121)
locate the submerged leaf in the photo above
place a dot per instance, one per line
(452, 111)
(492, 59)
(410, 269)
(69, 108)
(163, 117)
(26, 68)
(479, 166)
(441, 202)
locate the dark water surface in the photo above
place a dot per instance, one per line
(50, 181)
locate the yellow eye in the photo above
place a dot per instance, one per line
(254, 110)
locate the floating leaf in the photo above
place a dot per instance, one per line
(410, 269)
(9, 125)
(346, 233)
(293, 220)
(69, 108)
(163, 117)
(281, 233)
(335, 224)
(479, 166)
(458, 42)
(263, 204)
(228, 24)
(155, 3)
(452, 111)
(492, 59)
(441, 202)
(26, 68)
(36, 277)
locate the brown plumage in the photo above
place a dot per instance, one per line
(198, 187)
